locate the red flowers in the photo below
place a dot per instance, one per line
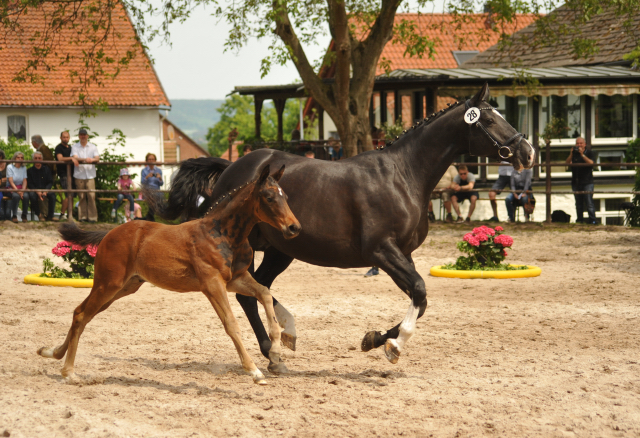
(504, 240)
(63, 248)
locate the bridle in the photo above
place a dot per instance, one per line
(504, 151)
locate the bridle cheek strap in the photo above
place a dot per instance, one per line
(504, 151)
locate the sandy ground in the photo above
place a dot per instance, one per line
(557, 355)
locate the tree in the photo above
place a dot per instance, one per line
(238, 112)
(359, 28)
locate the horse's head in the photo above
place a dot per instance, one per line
(272, 205)
(490, 135)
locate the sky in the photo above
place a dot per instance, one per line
(196, 66)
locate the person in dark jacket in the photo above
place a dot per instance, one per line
(40, 177)
(582, 180)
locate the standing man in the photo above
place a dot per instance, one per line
(63, 154)
(152, 179)
(38, 143)
(582, 180)
(463, 185)
(84, 154)
(40, 177)
(504, 179)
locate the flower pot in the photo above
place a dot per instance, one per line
(532, 271)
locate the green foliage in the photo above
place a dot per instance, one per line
(238, 112)
(14, 145)
(107, 176)
(392, 130)
(632, 155)
(556, 128)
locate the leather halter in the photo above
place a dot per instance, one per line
(501, 147)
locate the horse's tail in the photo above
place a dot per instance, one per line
(71, 233)
(195, 178)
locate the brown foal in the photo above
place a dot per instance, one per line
(210, 255)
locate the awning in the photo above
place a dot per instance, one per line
(564, 90)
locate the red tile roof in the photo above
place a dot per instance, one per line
(135, 85)
(471, 35)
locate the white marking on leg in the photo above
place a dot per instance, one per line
(407, 327)
(258, 377)
(46, 352)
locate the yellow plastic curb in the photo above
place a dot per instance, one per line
(533, 271)
(61, 282)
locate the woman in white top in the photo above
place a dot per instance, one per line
(17, 179)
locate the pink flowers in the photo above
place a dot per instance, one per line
(504, 240)
(499, 228)
(63, 248)
(485, 230)
(473, 240)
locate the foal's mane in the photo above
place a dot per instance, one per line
(424, 122)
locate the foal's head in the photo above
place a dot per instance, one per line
(272, 206)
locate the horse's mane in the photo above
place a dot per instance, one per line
(424, 122)
(230, 195)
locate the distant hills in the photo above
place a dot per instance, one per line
(195, 117)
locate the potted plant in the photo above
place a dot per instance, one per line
(80, 274)
(486, 249)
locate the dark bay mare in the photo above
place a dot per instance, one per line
(367, 210)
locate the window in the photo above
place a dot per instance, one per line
(514, 110)
(462, 56)
(17, 127)
(610, 157)
(613, 116)
(566, 108)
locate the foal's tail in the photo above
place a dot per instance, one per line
(195, 178)
(71, 233)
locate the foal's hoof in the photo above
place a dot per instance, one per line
(45, 352)
(278, 368)
(370, 341)
(391, 351)
(288, 340)
(260, 381)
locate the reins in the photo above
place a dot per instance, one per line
(471, 114)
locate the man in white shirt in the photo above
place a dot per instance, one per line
(84, 155)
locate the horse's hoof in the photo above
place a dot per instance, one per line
(70, 378)
(260, 382)
(288, 340)
(391, 351)
(45, 352)
(370, 341)
(278, 368)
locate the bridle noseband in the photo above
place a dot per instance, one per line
(501, 147)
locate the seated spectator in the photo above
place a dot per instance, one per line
(504, 179)
(520, 181)
(137, 213)
(124, 183)
(17, 179)
(38, 143)
(463, 186)
(3, 183)
(40, 177)
(246, 149)
(310, 154)
(446, 183)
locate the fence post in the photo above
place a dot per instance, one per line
(548, 179)
(69, 192)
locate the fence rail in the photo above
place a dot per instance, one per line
(547, 165)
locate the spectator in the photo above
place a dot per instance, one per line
(3, 183)
(446, 184)
(310, 154)
(246, 149)
(17, 179)
(137, 212)
(152, 179)
(582, 180)
(85, 176)
(504, 179)
(38, 143)
(124, 183)
(63, 154)
(463, 185)
(519, 181)
(40, 177)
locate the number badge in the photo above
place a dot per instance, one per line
(472, 115)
